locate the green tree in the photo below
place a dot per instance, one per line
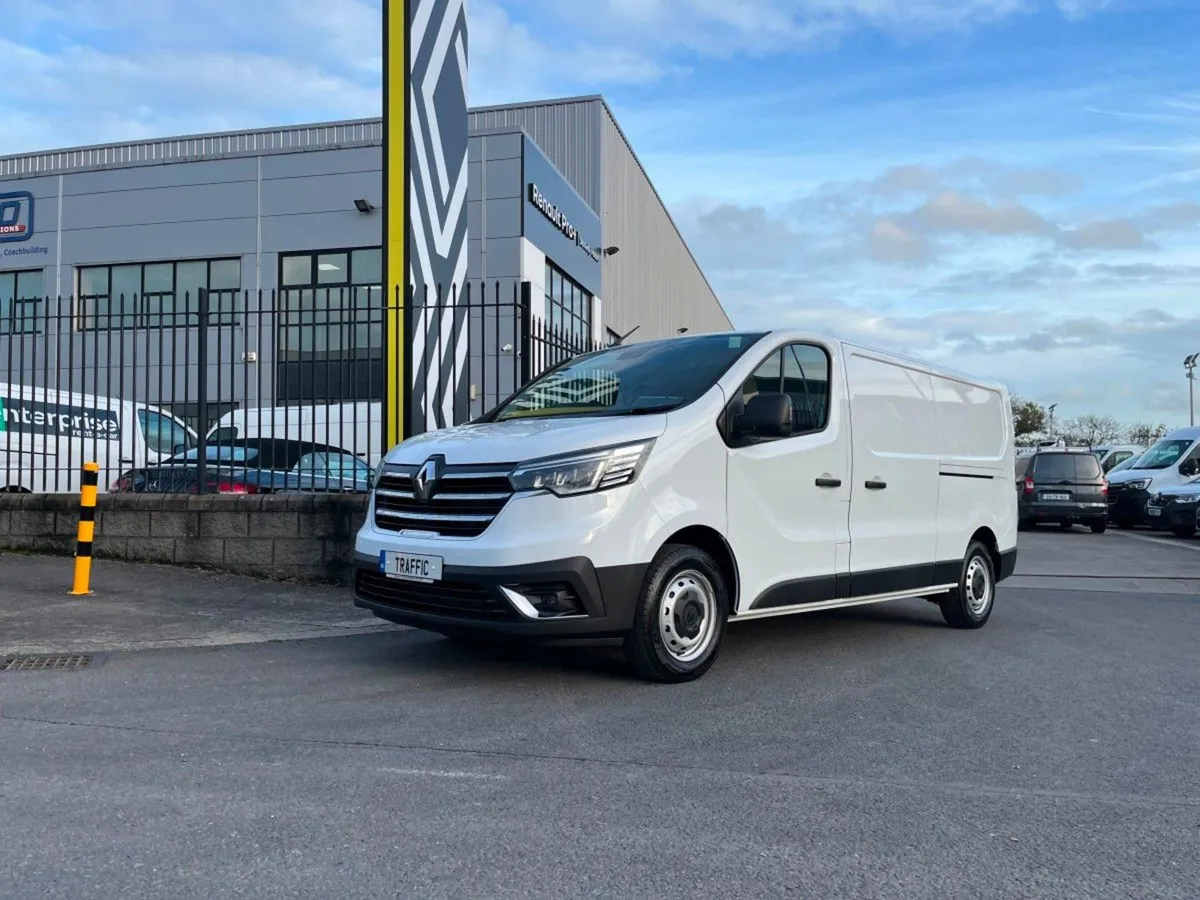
(1028, 417)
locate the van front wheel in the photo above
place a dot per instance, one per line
(682, 613)
(970, 604)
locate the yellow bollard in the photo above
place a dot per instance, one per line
(87, 529)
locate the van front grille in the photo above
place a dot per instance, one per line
(463, 502)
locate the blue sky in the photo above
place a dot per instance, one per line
(1011, 186)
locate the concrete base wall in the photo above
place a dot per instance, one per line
(280, 536)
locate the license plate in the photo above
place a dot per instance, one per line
(410, 566)
(1056, 496)
(1153, 511)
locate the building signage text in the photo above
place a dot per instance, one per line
(16, 217)
(560, 221)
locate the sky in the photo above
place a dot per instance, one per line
(1010, 187)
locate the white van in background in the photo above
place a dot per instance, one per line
(47, 435)
(356, 428)
(650, 494)
(1173, 460)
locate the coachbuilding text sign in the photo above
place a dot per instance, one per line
(560, 221)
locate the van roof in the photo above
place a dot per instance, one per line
(916, 362)
(1190, 433)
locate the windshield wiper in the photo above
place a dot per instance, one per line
(646, 410)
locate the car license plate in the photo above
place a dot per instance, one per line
(1056, 496)
(1153, 511)
(410, 566)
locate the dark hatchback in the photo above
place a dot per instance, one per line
(1062, 486)
(1175, 509)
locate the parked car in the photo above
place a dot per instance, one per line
(1064, 487)
(1173, 460)
(1112, 455)
(1122, 466)
(254, 466)
(1175, 509)
(650, 494)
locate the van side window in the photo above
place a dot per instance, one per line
(802, 372)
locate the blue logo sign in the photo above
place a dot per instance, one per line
(16, 217)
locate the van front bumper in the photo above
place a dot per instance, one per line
(590, 604)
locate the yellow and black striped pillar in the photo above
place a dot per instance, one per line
(87, 529)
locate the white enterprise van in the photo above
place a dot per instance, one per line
(650, 494)
(47, 435)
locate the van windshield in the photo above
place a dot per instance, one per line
(1163, 455)
(657, 376)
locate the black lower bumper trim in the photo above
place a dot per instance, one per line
(1008, 564)
(608, 597)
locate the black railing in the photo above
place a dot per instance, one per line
(251, 392)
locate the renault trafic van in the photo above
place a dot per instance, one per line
(47, 435)
(1173, 460)
(651, 494)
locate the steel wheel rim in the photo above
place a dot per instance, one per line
(687, 616)
(979, 586)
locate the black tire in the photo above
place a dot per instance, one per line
(1184, 531)
(646, 648)
(1099, 527)
(959, 607)
(1066, 526)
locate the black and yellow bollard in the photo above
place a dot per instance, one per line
(87, 529)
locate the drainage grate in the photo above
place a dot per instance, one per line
(40, 663)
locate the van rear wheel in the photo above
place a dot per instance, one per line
(682, 613)
(970, 604)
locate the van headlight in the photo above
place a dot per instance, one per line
(1140, 485)
(582, 473)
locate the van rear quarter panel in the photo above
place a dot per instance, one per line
(974, 425)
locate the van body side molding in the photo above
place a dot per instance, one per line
(853, 586)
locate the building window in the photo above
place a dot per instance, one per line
(159, 295)
(331, 303)
(21, 293)
(568, 305)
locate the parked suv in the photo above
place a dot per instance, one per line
(1175, 509)
(1063, 486)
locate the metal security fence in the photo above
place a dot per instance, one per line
(253, 392)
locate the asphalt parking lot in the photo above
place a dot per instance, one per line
(863, 753)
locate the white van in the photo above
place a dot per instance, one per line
(1112, 455)
(651, 493)
(1175, 459)
(354, 427)
(47, 435)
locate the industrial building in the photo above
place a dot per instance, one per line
(557, 202)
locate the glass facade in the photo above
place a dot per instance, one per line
(159, 295)
(20, 296)
(568, 305)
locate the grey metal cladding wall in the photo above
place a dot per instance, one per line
(568, 132)
(325, 136)
(654, 281)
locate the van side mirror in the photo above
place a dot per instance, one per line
(767, 415)
(178, 449)
(1188, 468)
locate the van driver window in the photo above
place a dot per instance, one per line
(802, 372)
(163, 435)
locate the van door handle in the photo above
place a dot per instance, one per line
(876, 485)
(829, 482)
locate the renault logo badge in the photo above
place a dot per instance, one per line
(426, 479)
